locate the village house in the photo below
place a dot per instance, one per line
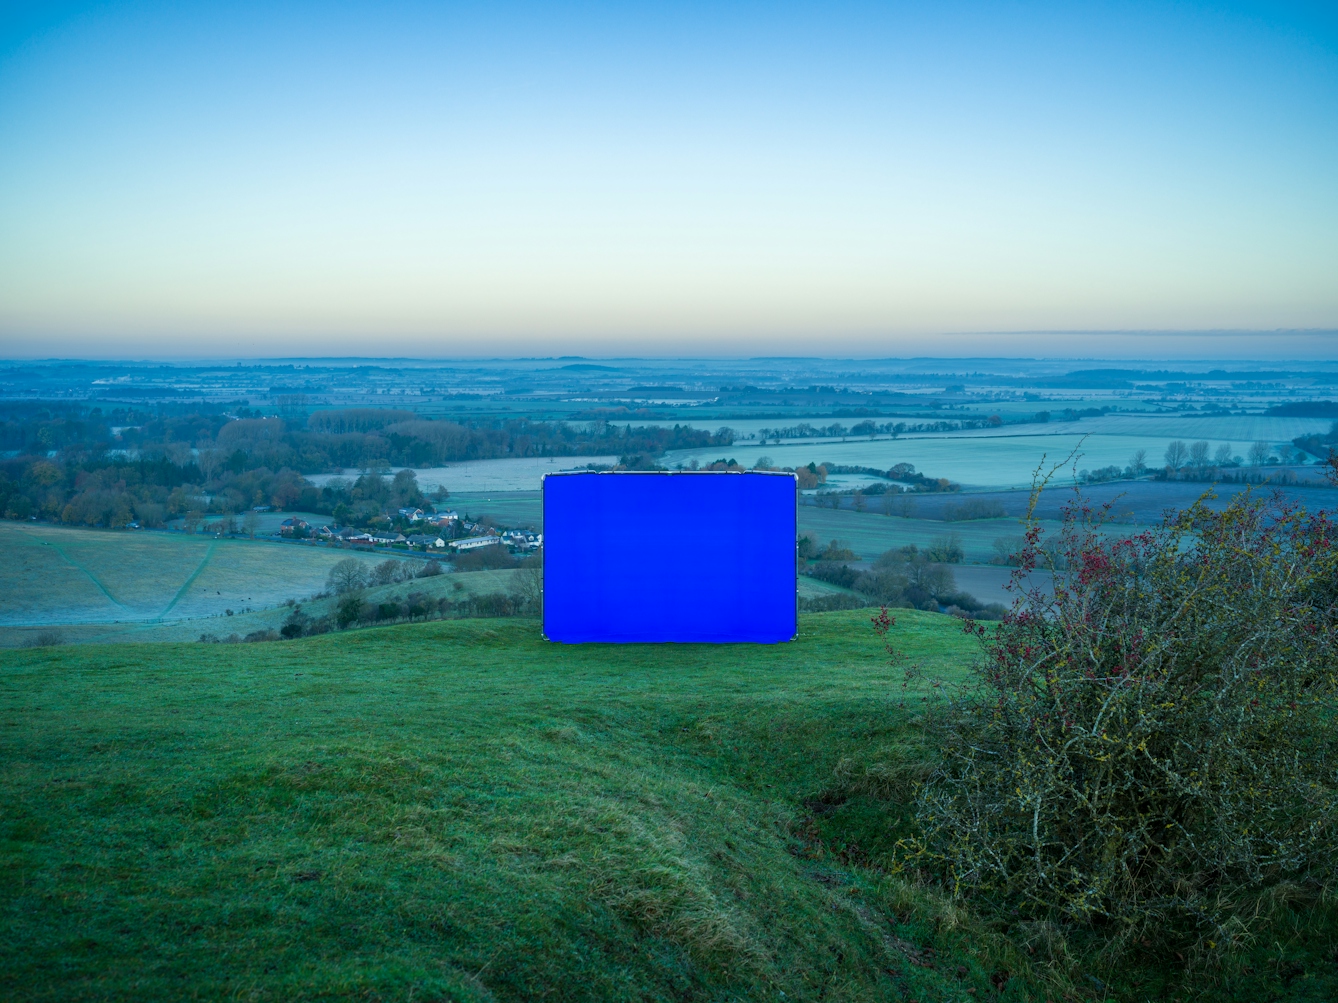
(474, 543)
(522, 539)
(425, 540)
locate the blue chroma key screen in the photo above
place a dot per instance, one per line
(634, 557)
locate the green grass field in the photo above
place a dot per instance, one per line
(459, 810)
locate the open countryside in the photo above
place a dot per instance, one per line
(668, 503)
(276, 677)
(167, 519)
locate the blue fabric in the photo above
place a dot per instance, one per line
(657, 557)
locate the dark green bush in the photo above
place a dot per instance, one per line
(1148, 752)
(945, 549)
(349, 610)
(837, 550)
(834, 573)
(493, 604)
(295, 625)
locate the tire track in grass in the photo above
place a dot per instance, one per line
(189, 581)
(77, 566)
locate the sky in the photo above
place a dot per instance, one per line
(439, 180)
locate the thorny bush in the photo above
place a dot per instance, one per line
(1146, 751)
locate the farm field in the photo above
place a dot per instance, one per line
(267, 523)
(1007, 456)
(1006, 460)
(510, 508)
(871, 533)
(484, 476)
(57, 574)
(455, 586)
(989, 457)
(458, 810)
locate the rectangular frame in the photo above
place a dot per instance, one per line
(620, 547)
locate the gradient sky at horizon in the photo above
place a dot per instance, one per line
(444, 180)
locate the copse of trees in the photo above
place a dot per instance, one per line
(1198, 462)
(353, 575)
(907, 577)
(903, 472)
(1322, 445)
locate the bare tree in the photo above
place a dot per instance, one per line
(386, 573)
(1223, 455)
(1176, 453)
(528, 586)
(250, 523)
(1198, 454)
(349, 575)
(858, 501)
(1139, 461)
(209, 459)
(1259, 453)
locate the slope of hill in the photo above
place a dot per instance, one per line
(459, 810)
(456, 808)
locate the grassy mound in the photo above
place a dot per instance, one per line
(460, 810)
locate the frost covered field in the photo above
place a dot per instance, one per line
(1006, 457)
(61, 575)
(996, 457)
(482, 476)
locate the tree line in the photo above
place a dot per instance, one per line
(97, 467)
(907, 577)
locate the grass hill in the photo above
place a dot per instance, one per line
(459, 810)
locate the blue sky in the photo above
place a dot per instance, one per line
(436, 179)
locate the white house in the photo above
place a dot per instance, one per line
(474, 543)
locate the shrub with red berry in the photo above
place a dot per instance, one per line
(1148, 748)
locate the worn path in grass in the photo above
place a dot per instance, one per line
(185, 587)
(42, 573)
